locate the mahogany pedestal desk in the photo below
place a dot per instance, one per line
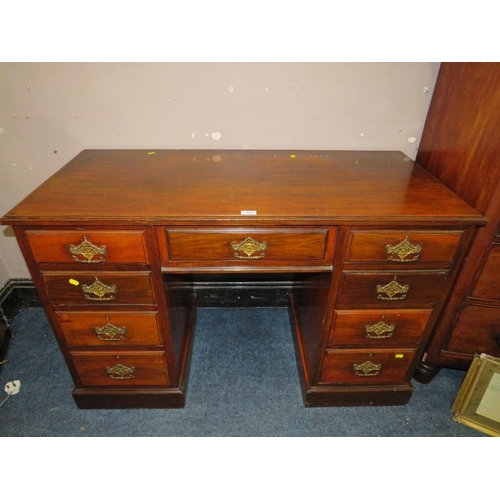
(115, 239)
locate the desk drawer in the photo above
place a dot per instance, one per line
(377, 366)
(109, 328)
(402, 247)
(123, 369)
(390, 289)
(241, 247)
(88, 247)
(99, 289)
(379, 328)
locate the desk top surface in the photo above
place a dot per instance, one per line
(221, 186)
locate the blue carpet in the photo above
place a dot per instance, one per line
(243, 382)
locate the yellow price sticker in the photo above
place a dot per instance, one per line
(400, 356)
(152, 153)
(74, 282)
(292, 156)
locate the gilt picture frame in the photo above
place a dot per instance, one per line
(477, 404)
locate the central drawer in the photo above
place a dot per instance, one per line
(239, 247)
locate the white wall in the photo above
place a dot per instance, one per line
(4, 275)
(49, 112)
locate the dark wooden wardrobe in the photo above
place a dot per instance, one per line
(461, 147)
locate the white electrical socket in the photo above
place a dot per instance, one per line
(13, 387)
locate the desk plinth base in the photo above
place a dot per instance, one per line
(89, 399)
(358, 396)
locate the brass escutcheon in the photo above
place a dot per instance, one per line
(249, 247)
(367, 369)
(380, 330)
(392, 291)
(100, 290)
(121, 372)
(87, 250)
(399, 252)
(110, 332)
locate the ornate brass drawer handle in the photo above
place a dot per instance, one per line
(100, 290)
(121, 372)
(89, 251)
(392, 291)
(110, 333)
(249, 247)
(367, 369)
(379, 331)
(399, 252)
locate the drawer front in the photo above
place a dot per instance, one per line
(477, 330)
(109, 328)
(88, 247)
(122, 369)
(488, 284)
(402, 247)
(379, 328)
(247, 247)
(362, 367)
(392, 289)
(101, 289)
